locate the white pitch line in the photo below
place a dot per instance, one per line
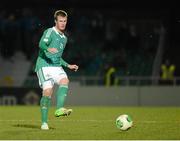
(87, 120)
(60, 120)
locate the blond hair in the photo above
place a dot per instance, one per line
(60, 13)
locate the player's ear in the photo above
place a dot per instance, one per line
(55, 21)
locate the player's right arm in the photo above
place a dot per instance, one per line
(45, 39)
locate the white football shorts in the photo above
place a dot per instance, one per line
(48, 76)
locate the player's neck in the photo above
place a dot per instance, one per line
(59, 31)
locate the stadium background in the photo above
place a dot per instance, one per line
(133, 38)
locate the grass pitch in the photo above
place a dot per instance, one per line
(90, 123)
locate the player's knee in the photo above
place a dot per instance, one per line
(47, 92)
(64, 81)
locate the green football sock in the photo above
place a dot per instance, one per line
(61, 96)
(45, 104)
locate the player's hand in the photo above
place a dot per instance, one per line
(73, 67)
(52, 50)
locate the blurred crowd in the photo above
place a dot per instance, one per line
(97, 39)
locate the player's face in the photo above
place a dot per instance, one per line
(61, 23)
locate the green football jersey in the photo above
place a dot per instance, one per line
(51, 38)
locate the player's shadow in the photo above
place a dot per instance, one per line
(29, 126)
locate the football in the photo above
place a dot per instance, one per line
(124, 122)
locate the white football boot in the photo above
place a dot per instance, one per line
(44, 126)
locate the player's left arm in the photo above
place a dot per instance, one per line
(70, 66)
(73, 67)
(63, 63)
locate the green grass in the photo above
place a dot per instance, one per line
(90, 123)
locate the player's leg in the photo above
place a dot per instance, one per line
(61, 95)
(62, 92)
(45, 103)
(47, 85)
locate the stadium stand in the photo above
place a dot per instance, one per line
(97, 40)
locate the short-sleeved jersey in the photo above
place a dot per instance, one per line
(51, 38)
